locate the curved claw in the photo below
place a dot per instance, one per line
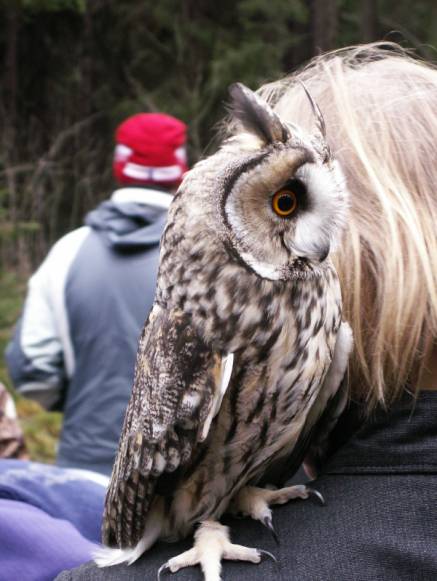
(266, 555)
(316, 494)
(163, 568)
(268, 523)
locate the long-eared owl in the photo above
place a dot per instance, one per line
(241, 359)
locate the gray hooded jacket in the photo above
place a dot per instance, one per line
(74, 347)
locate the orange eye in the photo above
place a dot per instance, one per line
(284, 203)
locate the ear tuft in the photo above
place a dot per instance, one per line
(317, 113)
(255, 115)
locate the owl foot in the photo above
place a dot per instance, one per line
(255, 502)
(211, 545)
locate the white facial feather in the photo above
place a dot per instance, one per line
(264, 269)
(319, 227)
(270, 245)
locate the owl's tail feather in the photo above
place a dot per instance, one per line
(107, 556)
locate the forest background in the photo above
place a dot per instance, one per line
(71, 70)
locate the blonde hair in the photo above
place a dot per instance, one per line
(380, 108)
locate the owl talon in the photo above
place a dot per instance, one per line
(164, 567)
(266, 555)
(256, 502)
(211, 546)
(316, 494)
(269, 524)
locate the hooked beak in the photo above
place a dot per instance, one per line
(323, 253)
(318, 254)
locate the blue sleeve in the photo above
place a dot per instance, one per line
(40, 356)
(34, 356)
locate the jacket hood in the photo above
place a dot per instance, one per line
(128, 224)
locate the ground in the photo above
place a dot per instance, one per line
(41, 428)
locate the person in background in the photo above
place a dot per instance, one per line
(74, 346)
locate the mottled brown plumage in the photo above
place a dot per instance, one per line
(239, 287)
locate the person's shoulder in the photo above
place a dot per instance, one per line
(60, 257)
(66, 248)
(87, 572)
(70, 241)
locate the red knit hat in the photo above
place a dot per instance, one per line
(150, 149)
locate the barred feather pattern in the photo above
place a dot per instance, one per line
(230, 281)
(280, 365)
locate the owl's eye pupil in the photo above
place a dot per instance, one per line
(284, 203)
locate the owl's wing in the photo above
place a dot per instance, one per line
(336, 387)
(317, 440)
(178, 387)
(329, 405)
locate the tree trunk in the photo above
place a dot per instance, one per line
(369, 20)
(10, 121)
(324, 18)
(11, 63)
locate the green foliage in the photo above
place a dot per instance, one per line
(41, 428)
(54, 5)
(11, 298)
(12, 232)
(84, 65)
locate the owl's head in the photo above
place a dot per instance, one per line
(279, 197)
(274, 195)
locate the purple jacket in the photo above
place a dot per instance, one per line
(49, 519)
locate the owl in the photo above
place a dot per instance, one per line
(239, 370)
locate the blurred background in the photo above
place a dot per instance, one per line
(71, 70)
